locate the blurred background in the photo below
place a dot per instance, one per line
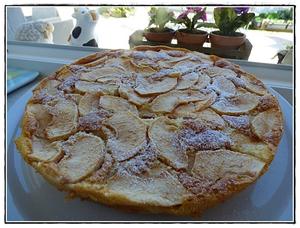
(270, 32)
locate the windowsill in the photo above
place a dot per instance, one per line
(46, 58)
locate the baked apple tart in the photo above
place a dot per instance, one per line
(152, 129)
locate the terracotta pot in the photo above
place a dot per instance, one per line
(161, 37)
(191, 38)
(229, 42)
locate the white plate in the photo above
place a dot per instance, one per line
(31, 198)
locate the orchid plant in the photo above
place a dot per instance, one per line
(229, 19)
(159, 17)
(191, 18)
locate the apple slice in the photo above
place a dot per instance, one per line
(49, 85)
(159, 187)
(36, 119)
(162, 134)
(186, 109)
(64, 120)
(253, 84)
(146, 86)
(251, 146)
(84, 153)
(240, 104)
(94, 87)
(202, 82)
(218, 71)
(210, 119)
(267, 126)
(88, 103)
(223, 86)
(117, 104)
(187, 81)
(133, 97)
(44, 150)
(130, 135)
(167, 102)
(99, 73)
(225, 166)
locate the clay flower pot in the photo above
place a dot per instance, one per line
(229, 42)
(161, 37)
(186, 38)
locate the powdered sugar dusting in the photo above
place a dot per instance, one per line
(238, 122)
(92, 121)
(103, 173)
(139, 164)
(238, 82)
(68, 85)
(197, 136)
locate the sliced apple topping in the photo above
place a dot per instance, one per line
(267, 126)
(252, 146)
(129, 137)
(187, 81)
(88, 103)
(167, 102)
(192, 107)
(93, 121)
(84, 153)
(253, 84)
(110, 79)
(240, 104)
(46, 91)
(162, 134)
(266, 102)
(218, 71)
(49, 85)
(74, 97)
(100, 73)
(94, 87)
(210, 119)
(223, 86)
(36, 119)
(43, 150)
(225, 167)
(148, 86)
(133, 97)
(117, 104)
(238, 122)
(64, 120)
(202, 82)
(195, 135)
(141, 163)
(159, 187)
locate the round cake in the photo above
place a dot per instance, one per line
(152, 129)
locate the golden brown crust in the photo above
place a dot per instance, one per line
(215, 140)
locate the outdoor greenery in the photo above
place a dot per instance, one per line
(116, 11)
(192, 18)
(159, 17)
(286, 14)
(284, 17)
(229, 19)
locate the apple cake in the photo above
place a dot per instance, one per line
(152, 129)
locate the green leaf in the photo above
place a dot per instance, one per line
(217, 16)
(199, 25)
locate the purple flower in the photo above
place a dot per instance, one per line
(241, 10)
(194, 9)
(204, 16)
(183, 15)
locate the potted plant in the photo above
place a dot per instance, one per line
(157, 30)
(191, 34)
(228, 20)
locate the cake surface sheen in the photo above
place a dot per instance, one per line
(152, 129)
